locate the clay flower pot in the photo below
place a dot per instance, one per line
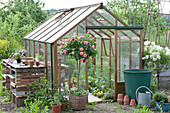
(56, 108)
(126, 100)
(37, 63)
(31, 63)
(63, 106)
(132, 102)
(120, 99)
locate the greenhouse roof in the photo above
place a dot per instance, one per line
(61, 23)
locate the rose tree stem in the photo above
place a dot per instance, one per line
(78, 74)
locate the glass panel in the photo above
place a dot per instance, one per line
(49, 61)
(32, 49)
(42, 26)
(73, 23)
(52, 29)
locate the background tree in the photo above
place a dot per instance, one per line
(18, 18)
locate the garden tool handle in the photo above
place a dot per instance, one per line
(142, 87)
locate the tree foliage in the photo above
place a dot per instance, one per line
(18, 18)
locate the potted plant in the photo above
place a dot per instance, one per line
(39, 58)
(161, 101)
(17, 55)
(78, 99)
(31, 63)
(81, 48)
(56, 105)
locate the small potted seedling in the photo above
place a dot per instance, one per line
(161, 101)
(56, 105)
(37, 63)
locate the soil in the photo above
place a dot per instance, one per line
(98, 108)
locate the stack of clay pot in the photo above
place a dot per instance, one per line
(125, 100)
(120, 99)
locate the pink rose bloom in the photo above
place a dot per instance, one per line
(85, 55)
(60, 42)
(95, 43)
(61, 52)
(93, 46)
(78, 37)
(85, 42)
(81, 49)
(61, 46)
(72, 53)
(91, 36)
(81, 37)
(65, 51)
(95, 49)
(81, 53)
(73, 49)
(81, 59)
(73, 37)
(66, 42)
(86, 60)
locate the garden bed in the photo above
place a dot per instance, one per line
(97, 108)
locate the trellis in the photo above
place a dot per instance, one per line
(85, 19)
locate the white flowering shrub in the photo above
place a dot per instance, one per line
(156, 57)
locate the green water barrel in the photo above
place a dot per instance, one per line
(135, 78)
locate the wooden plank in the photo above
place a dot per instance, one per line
(119, 58)
(110, 61)
(34, 48)
(46, 60)
(25, 44)
(27, 80)
(55, 65)
(142, 49)
(104, 47)
(115, 64)
(30, 76)
(130, 52)
(101, 60)
(29, 48)
(86, 73)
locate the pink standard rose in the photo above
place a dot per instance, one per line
(85, 42)
(61, 52)
(81, 53)
(93, 46)
(81, 49)
(65, 51)
(85, 55)
(72, 53)
(73, 37)
(61, 46)
(73, 49)
(91, 36)
(95, 43)
(87, 60)
(81, 59)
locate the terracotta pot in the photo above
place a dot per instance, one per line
(71, 85)
(37, 63)
(120, 99)
(56, 108)
(126, 100)
(63, 106)
(31, 63)
(132, 102)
